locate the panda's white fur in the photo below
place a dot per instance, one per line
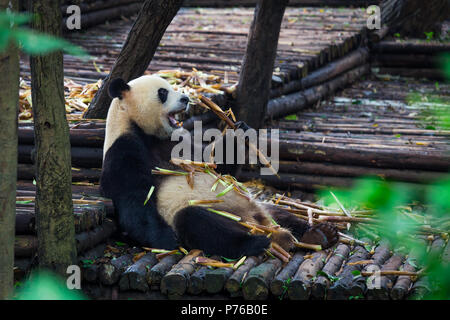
(138, 128)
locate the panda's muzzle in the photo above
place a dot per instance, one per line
(175, 116)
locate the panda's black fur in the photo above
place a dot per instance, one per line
(127, 179)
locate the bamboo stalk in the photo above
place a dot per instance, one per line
(309, 246)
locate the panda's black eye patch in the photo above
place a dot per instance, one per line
(162, 94)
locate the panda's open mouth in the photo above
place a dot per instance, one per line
(175, 118)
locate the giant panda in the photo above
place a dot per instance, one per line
(140, 121)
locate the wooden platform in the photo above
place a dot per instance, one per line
(374, 127)
(214, 40)
(114, 269)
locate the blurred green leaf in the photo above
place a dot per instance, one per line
(8, 19)
(439, 195)
(43, 285)
(32, 42)
(36, 43)
(4, 38)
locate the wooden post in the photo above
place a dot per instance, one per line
(9, 102)
(137, 51)
(54, 209)
(256, 73)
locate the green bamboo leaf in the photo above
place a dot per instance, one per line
(150, 192)
(225, 214)
(224, 192)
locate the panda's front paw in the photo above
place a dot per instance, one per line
(324, 234)
(242, 125)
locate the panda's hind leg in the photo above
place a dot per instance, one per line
(198, 228)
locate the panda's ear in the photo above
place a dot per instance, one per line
(117, 87)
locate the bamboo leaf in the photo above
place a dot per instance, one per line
(224, 192)
(150, 192)
(225, 214)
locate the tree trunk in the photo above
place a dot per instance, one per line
(254, 82)
(415, 17)
(54, 209)
(9, 102)
(138, 50)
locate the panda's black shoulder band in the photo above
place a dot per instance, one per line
(117, 87)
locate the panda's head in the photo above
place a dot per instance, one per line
(150, 102)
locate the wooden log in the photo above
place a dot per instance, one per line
(25, 222)
(110, 272)
(295, 102)
(25, 246)
(320, 286)
(174, 284)
(403, 283)
(297, 181)
(382, 253)
(339, 170)
(414, 61)
(253, 90)
(85, 217)
(378, 35)
(28, 172)
(411, 47)
(340, 289)
(159, 270)
(100, 16)
(135, 276)
(300, 286)
(90, 239)
(79, 193)
(197, 279)
(279, 285)
(421, 289)
(93, 137)
(317, 152)
(431, 74)
(324, 74)
(81, 157)
(89, 267)
(234, 282)
(96, 5)
(386, 282)
(216, 279)
(257, 283)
